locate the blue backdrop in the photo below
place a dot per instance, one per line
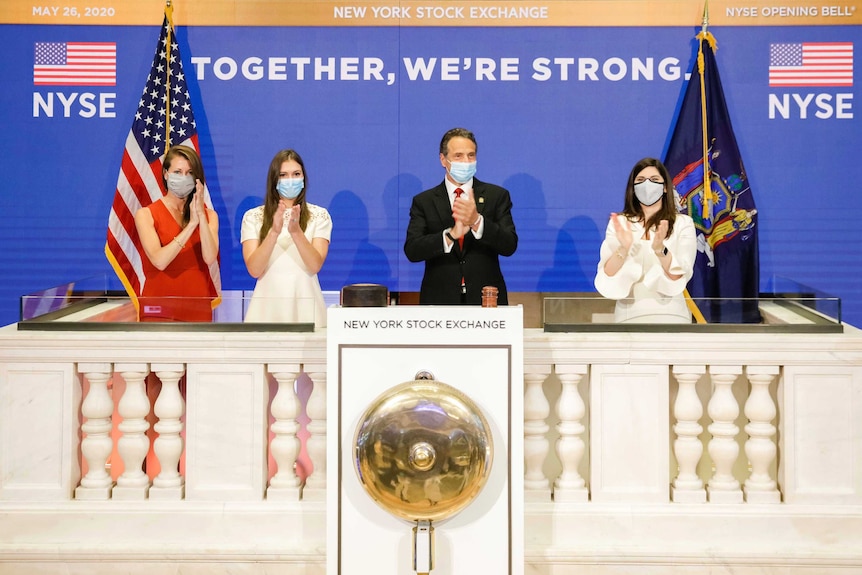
(561, 115)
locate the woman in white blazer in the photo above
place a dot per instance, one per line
(648, 253)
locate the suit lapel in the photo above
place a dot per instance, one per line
(479, 198)
(440, 198)
(442, 205)
(479, 195)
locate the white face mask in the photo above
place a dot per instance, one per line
(180, 185)
(649, 192)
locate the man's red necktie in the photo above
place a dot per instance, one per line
(458, 192)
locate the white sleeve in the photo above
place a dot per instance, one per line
(323, 224)
(620, 284)
(251, 224)
(682, 247)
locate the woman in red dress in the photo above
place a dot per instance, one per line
(179, 235)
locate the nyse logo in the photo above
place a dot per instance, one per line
(811, 65)
(66, 105)
(804, 106)
(73, 64)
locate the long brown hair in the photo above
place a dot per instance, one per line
(197, 172)
(270, 202)
(633, 208)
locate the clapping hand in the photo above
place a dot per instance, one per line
(659, 236)
(293, 221)
(197, 209)
(464, 210)
(623, 229)
(279, 216)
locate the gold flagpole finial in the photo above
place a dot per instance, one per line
(704, 24)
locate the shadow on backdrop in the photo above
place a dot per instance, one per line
(352, 257)
(535, 237)
(397, 198)
(238, 277)
(576, 256)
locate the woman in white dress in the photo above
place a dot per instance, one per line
(284, 244)
(649, 250)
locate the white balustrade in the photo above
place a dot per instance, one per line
(607, 488)
(40, 431)
(760, 448)
(723, 409)
(285, 445)
(570, 485)
(168, 446)
(536, 444)
(688, 447)
(133, 444)
(629, 429)
(315, 484)
(96, 446)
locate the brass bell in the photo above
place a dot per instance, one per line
(423, 450)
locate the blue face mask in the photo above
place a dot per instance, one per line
(289, 188)
(461, 172)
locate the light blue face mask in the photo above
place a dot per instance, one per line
(289, 188)
(461, 172)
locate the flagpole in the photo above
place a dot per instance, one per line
(169, 15)
(707, 184)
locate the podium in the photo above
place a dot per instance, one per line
(478, 351)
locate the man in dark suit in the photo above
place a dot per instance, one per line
(460, 228)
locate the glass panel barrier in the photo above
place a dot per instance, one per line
(87, 305)
(785, 312)
(813, 298)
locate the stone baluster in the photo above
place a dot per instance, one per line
(315, 484)
(133, 444)
(96, 446)
(760, 447)
(687, 447)
(536, 443)
(285, 445)
(723, 448)
(168, 446)
(570, 409)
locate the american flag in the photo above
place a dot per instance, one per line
(75, 64)
(811, 64)
(163, 116)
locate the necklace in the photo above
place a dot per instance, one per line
(175, 211)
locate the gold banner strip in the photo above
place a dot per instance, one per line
(420, 13)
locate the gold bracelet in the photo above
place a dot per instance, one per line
(179, 243)
(621, 256)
